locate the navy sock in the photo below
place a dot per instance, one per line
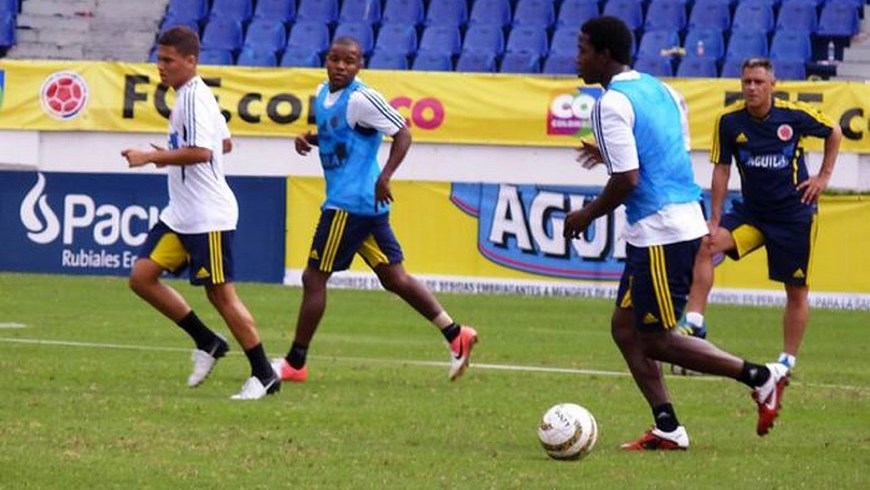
(753, 375)
(665, 417)
(201, 334)
(296, 356)
(451, 332)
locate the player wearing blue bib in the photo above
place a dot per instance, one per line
(762, 135)
(351, 121)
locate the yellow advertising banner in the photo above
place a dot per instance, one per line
(464, 230)
(456, 108)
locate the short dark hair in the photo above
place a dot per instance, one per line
(182, 38)
(611, 34)
(347, 41)
(758, 62)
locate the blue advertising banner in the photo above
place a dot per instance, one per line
(79, 223)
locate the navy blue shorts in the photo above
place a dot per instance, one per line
(789, 244)
(340, 235)
(655, 283)
(209, 256)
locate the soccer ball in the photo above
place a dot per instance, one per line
(567, 431)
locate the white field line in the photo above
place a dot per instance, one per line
(407, 362)
(11, 325)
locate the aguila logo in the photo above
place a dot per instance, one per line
(64, 95)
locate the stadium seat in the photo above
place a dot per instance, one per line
(240, 10)
(713, 44)
(560, 64)
(449, 12)
(361, 31)
(630, 11)
(265, 35)
(476, 62)
(666, 14)
(710, 14)
(301, 57)
(520, 62)
(746, 44)
(573, 13)
(654, 42)
(195, 10)
(490, 12)
(209, 56)
(388, 60)
(408, 12)
(753, 15)
(7, 30)
(731, 68)
(252, 56)
(169, 22)
(9, 7)
(311, 35)
(695, 67)
(528, 39)
(656, 66)
(432, 61)
(488, 39)
(838, 20)
(324, 11)
(539, 13)
(790, 70)
(222, 34)
(443, 38)
(281, 10)
(798, 15)
(565, 40)
(367, 11)
(791, 45)
(396, 38)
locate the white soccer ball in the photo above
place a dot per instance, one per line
(567, 431)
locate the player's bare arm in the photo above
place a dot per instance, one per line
(815, 185)
(305, 142)
(398, 150)
(181, 156)
(615, 192)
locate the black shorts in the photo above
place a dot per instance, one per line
(340, 235)
(208, 255)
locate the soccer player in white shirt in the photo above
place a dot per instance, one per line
(196, 228)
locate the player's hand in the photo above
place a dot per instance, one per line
(589, 155)
(712, 227)
(158, 148)
(302, 144)
(812, 188)
(135, 158)
(576, 223)
(383, 194)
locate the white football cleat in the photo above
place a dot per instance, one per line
(253, 389)
(204, 361)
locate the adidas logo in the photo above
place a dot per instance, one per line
(202, 273)
(741, 138)
(649, 318)
(799, 274)
(314, 255)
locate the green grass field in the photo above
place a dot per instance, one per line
(94, 396)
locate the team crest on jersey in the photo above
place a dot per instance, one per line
(784, 132)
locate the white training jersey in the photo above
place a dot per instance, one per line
(368, 108)
(200, 200)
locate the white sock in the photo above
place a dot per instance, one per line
(787, 360)
(442, 320)
(695, 318)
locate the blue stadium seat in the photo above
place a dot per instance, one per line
(388, 60)
(539, 13)
(656, 66)
(396, 38)
(209, 56)
(265, 35)
(240, 10)
(630, 11)
(280, 10)
(432, 61)
(311, 35)
(409, 12)
(790, 70)
(753, 15)
(222, 34)
(476, 62)
(368, 11)
(560, 64)
(666, 14)
(713, 43)
(565, 40)
(250, 56)
(7, 30)
(573, 13)
(442, 39)
(169, 22)
(9, 7)
(838, 20)
(450, 12)
(520, 62)
(490, 12)
(488, 39)
(695, 67)
(798, 15)
(196, 10)
(528, 39)
(324, 11)
(361, 31)
(746, 44)
(791, 45)
(710, 14)
(654, 42)
(731, 68)
(301, 57)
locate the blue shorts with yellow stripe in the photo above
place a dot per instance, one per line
(340, 235)
(208, 255)
(655, 283)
